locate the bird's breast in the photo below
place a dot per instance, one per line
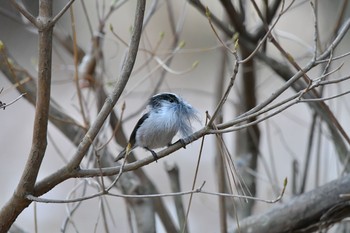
(157, 131)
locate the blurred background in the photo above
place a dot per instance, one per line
(196, 67)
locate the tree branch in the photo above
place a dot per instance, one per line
(201, 8)
(236, 19)
(118, 89)
(313, 210)
(39, 142)
(11, 210)
(25, 13)
(59, 15)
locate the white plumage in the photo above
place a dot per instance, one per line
(165, 116)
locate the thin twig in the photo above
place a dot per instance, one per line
(208, 14)
(76, 71)
(267, 34)
(184, 227)
(4, 105)
(202, 9)
(25, 13)
(324, 98)
(118, 88)
(335, 81)
(174, 178)
(59, 15)
(193, 191)
(116, 128)
(316, 31)
(87, 17)
(121, 170)
(233, 76)
(310, 144)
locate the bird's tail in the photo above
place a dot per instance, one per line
(121, 155)
(125, 151)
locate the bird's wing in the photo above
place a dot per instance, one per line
(132, 139)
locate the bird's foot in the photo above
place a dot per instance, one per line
(181, 141)
(154, 154)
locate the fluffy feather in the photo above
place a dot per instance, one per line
(166, 115)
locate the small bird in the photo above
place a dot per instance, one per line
(166, 114)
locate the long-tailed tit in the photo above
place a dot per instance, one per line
(166, 115)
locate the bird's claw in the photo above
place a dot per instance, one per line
(181, 141)
(154, 154)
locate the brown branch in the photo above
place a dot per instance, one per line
(25, 13)
(219, 160)
(236, 18)
(16, 74)
(5, 105)
(116, 92)
(341, 15)
(76, 70)
(174, 177)
(73, 164)
(42, 101)
(159, 205)
(121, 139)
(63, 174)
(24, 82)
(202, 9)
(320, 107)
(270, 14)
(62, 11)
(17, 203)
(39, 142)
(308, 212)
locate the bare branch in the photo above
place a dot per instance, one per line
(197, 190)
(59, 15)
(76, 72)
(5, 105)
(25, 13)
(118, 89)
(325, 98)
(39, 141)
(42, 101)
(305, 213)
(174, 177)
(235, 18)
(202, 9)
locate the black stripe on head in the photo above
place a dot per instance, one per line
(156, 100)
